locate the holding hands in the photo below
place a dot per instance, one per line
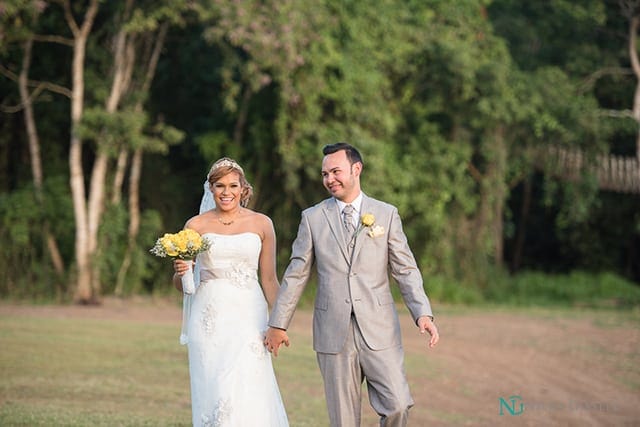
(274, 338)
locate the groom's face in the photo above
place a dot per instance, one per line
(341, 178)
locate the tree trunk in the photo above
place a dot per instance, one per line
(498, 188)
(124, 57)
(136, 168)
(521, 232)
(487, 233)
(118, 179)
(635, 65)
(82, 292)
(134, 219)
(36, 158)
(95, 209)
(243, 113)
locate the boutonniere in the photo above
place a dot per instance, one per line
(369, 220)
(376, 231)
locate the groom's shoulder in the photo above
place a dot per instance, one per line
(380, 204)
(318, 207)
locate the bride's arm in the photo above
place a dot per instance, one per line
(268, 273)
(179, 266)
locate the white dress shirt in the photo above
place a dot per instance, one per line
(357, 203)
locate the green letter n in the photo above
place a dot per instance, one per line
(511, 408)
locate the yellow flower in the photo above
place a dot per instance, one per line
(368, 219)
(168, 245)
(186, 244)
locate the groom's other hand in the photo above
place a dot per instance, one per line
(274, 338)
(426, 325)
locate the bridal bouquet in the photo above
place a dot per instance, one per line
(186, 245)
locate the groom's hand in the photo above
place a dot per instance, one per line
(426, 325)
(274, 338)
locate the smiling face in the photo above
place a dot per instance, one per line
(227, 191)
(340, 177)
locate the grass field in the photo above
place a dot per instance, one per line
(80, 372)
(61, 366)
(120, 365)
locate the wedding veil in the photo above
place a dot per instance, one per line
(206, 204)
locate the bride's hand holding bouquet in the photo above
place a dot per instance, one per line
(184, 245)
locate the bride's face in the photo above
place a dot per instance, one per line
(227, 191)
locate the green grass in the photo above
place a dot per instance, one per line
(536, 289)
(576, 289)
(79, 372)
(100, 372)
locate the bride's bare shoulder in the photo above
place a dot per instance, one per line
(259, 223)
(258, 217)
(198, 222)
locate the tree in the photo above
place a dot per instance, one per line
(136, 27)
(25, 35)
(572, 58)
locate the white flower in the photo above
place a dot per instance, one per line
(241, 274)
(376, 231)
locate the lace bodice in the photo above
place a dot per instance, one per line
(234, 257)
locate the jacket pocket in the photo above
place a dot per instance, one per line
(385, 298)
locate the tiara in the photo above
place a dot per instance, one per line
(225, 162)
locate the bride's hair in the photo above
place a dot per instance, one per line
(225, 166)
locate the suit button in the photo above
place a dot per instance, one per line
(347, 301)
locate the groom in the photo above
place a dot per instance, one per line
(355, 241)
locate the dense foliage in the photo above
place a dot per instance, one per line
(451, 104)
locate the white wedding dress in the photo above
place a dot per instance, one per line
(232, 378)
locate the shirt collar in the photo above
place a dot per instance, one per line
(357, 203)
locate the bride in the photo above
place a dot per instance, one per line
(232, 378)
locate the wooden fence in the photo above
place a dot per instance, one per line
(614, 173)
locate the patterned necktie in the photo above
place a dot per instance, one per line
(348, 221)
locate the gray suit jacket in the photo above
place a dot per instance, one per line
(359, 283)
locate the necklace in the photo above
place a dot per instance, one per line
(223, 222)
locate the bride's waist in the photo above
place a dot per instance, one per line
(228, 274)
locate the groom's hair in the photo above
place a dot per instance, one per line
(352, 154)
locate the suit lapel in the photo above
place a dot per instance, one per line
(334, 220)
(363, 230)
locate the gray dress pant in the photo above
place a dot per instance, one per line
(343, 374)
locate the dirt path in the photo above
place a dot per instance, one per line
(565, 371)
(563, 368)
